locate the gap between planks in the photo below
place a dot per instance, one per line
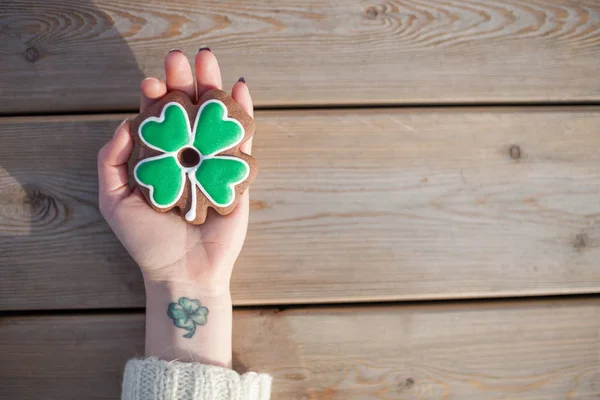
(449, 302)
(464, 106)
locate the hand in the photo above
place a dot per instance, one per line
(167, 249)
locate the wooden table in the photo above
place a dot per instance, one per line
(425, 224)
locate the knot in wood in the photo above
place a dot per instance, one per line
(32, 54)
(372, 12)
(42, 205)
(35, 197)
(515, 152)
(581, 241)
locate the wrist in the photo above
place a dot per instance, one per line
(186, 322)
(175, 289)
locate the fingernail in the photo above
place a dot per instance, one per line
(119, 127)
(204, 48)
(242, 79)
(172, 50)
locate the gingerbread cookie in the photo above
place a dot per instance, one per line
(189, 154)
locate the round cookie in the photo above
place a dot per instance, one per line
(189, 156)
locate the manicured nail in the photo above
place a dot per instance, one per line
(242, 79)
(203, 48)
(172, 50)
(119, 127)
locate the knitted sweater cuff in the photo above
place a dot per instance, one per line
(154, 379)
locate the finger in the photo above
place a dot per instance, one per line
(113, 175)
(208, 74)
(241, 94)
(179, 73)
(152, 90)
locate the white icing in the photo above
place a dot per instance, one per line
(191, 171)
(151, 188)
(191, 214)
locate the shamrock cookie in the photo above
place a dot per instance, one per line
(189, 154)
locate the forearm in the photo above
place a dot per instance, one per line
(202, 339)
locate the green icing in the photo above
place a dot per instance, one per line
(169, 135)
(213, 132)
(164, 176)
(216, 175)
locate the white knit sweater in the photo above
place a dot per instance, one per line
(154, 379)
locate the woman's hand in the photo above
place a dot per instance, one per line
(166, 248)
(186, 268)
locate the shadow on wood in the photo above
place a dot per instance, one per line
(53, 51)
(39, 41)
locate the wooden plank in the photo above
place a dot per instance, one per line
(81, 55)
(526, 349)
(349, 205)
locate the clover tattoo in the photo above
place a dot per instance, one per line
(188, 313)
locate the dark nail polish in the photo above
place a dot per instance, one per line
(242, 79)
(203, 48)
(172, 50)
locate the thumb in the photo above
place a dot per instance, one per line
(113, 176)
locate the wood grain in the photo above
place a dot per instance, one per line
(81, 55)
(348, 205)
(501, 350)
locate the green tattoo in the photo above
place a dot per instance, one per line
(187, 314)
